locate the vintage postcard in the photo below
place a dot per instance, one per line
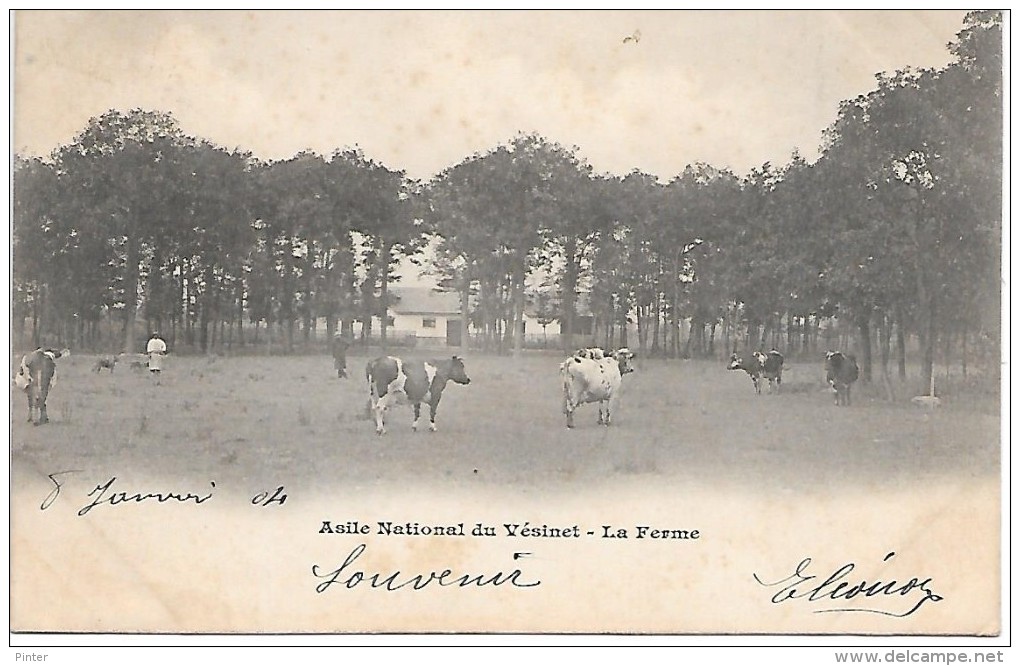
(635, 323)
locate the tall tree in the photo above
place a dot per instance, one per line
(131, 157)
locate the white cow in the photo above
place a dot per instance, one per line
(591, 375)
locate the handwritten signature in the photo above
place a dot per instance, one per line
(836, 587)
(348, 578)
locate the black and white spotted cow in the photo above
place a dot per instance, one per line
(592, 375)
(35, 377)
(840, 373)
(392, 380)
(761, 366)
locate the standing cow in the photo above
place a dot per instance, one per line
(591, 375)
(840, 373)
(761, 366)
(35, 376)
(391, 379)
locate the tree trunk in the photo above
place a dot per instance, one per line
(727, 334)
(928, 345)
(174, 318)
(465, 310)
(240, 314)
(641, 330)
(901, 351)
(884, 338)
(203, 329)
(130, 293)
(656, 323)
(864, 329)
(963, 350)
(384, 290)
(568, 295)
(37, 310)
(287, 309)
(517, 310)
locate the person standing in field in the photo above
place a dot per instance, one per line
(156, 349)
(340, 355)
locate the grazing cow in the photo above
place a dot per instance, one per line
(340, 345)
(761, 366)
(108, 362)
(390, 379)
(591, 375)
(840, 373)
(772, 368)
(35, 377)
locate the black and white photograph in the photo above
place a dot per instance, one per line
(660, 323)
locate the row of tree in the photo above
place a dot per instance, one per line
(894, 231)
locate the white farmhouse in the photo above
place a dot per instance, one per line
(431, 317)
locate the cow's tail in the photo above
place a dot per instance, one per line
(39, 385)
(371, 389)
(565, 378)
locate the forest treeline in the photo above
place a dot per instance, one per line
(894, 231)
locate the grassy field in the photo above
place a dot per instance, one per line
(289, 419)
(768, 480)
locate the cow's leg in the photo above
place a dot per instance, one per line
(433, 406)
(568, 407)
(757, 385)
(417, 415)
(42, 413)
(848, 395)
(611, 405)
(607, 406)
(380, 414)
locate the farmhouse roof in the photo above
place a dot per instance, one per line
(425, 300)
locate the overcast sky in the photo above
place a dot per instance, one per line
(422, 90)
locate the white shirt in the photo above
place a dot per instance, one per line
(155, 345)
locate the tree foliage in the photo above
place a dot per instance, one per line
(893, 232)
